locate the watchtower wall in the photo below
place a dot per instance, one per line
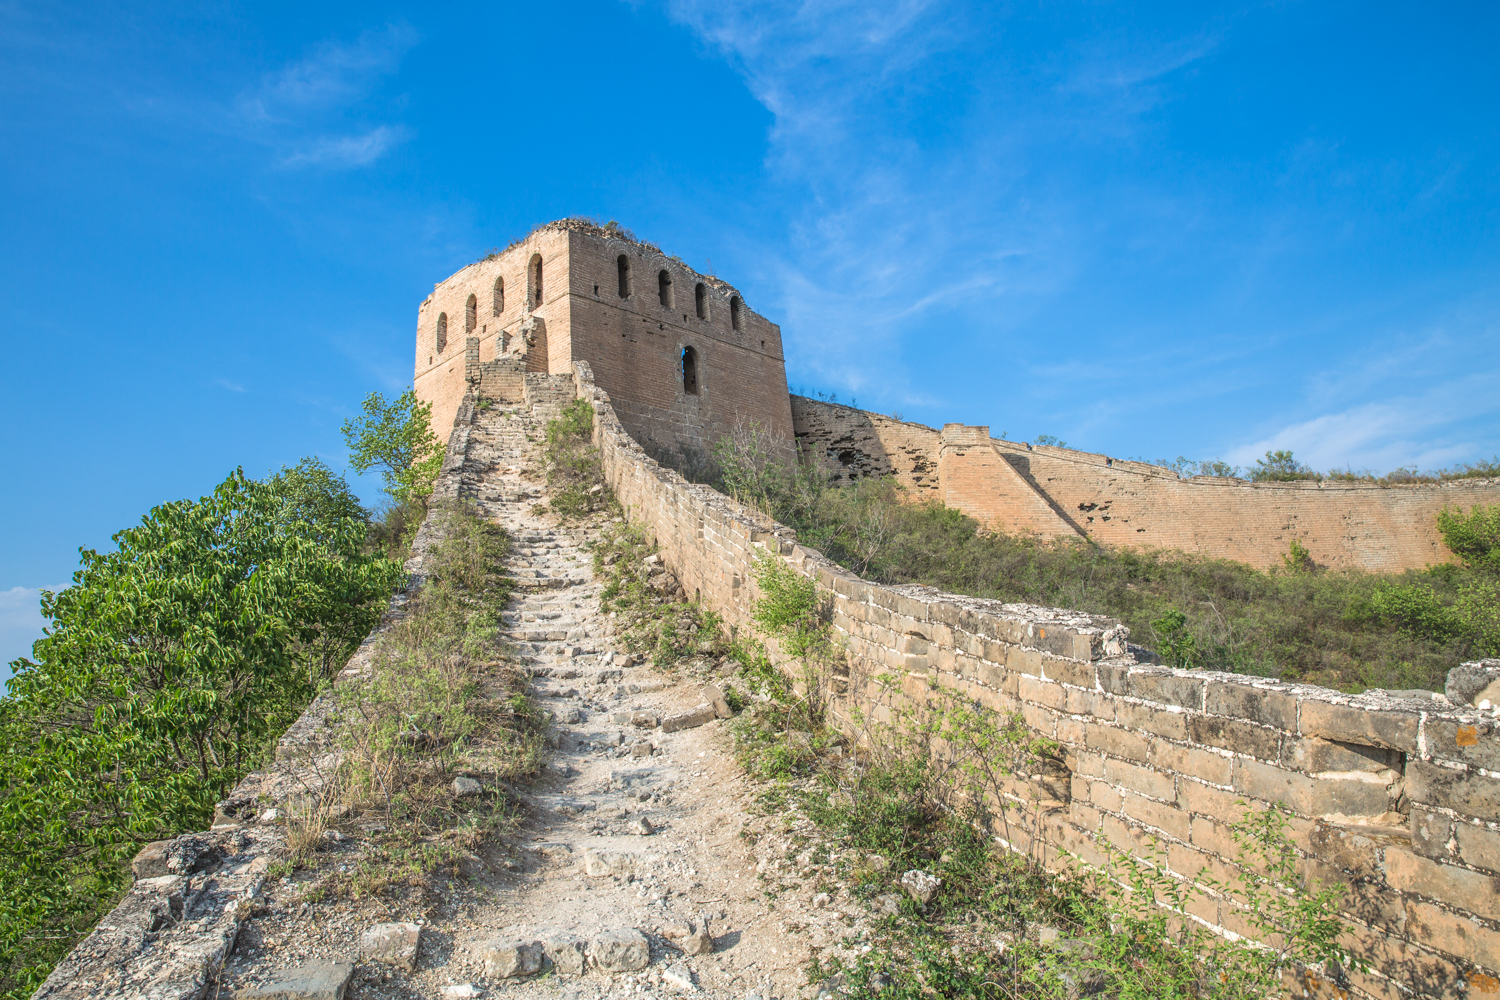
(682, 355)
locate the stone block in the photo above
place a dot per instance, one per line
(1237, 700)
(567, 953)
(1113, 677)
(1314, 755)
(1431, 832)
(623, 950)
(1091, 703)
(315, 980)
(1118, 743)
(1474, 743)
(1395, 730)
(1310, 796)
(602, 863)
(508, 958)
(1467, 793)
(1145, 780)
(1192, 761)
(1041, 692)
(1458, 887)
(1161, 721)
(1068, 671)
(1448, 932)
(1353, 851)
(1235, 734)
(1164, 817)
(691, 719)
(1477, 845)
(1166, 687)
(391, 944)
(714, 695)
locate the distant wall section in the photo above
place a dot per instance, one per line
(1060, 492)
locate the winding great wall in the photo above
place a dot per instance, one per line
(1399, 798)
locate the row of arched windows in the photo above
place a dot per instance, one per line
(534, 298)
(497, 302)
(664, 292)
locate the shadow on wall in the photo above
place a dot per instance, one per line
(861, 445)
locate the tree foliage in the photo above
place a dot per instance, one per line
(397, 438)
(170, 666)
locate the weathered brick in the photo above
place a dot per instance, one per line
(1233, 734)
(1310, 796)
(1430, 833)
(1201, 799)
(1458, 887)
(1314, 755)
(1252, 703)
(1118, 742)
(1477, 845)
(1353, 851)
(1093, 703)
(1041, 692)
(1070, 731)
(1141, 779)
(1476, 744)
(1113, 677)
(1068, 671)
(1165, 817)
(1191, 760)
(1451, 933)
(1167, 687)
(1395, 730)
(1040, 718)
(1161, 721)
(1465, 792)
(1212, 837)
(1017, 659)
(1106, 796)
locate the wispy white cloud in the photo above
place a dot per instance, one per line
(347, 150)
(301, 109)
(335, 74)
(1421, 430)
(224, 383)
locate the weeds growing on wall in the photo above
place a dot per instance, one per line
(1345, 629)
(575, 472)
(443, 699)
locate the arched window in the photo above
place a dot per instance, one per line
(690, 371)
(664, 288)
(471, 315)
(623, 263)
(499, 296)
(534, 281)
(700, 298)
(442, 333)
(734, 312)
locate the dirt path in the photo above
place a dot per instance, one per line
(633, 833)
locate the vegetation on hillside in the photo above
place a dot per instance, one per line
(172, 664)
(1345, 629)
(1282, 466)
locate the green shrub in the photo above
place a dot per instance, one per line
(170, 667)
(574, 470)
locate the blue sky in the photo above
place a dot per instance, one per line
(1152, 230)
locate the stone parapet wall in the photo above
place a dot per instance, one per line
(1398, 799)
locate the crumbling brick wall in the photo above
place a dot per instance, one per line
(1399, 800)
(1119, 502)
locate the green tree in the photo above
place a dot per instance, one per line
(1473, 537)
(1280, 466)
(397, 438)
(314, 494)
(169, 667)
